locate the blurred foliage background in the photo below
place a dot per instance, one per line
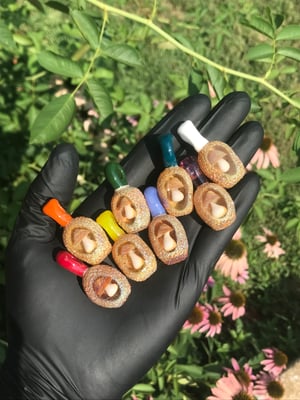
(117, 78)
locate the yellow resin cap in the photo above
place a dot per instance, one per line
(108, 222)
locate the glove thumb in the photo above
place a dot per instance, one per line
(56, 179)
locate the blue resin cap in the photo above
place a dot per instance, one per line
(166, 144)
(153, 201)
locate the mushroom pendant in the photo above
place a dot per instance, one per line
(212, 202)
(166, 233)
(174, 184)
(129, 251)
(216, 159)
(128, 203)
(82, 236)
(104, 285)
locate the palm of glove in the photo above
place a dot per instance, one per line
(61, 344)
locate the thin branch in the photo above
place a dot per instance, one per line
(149, 23)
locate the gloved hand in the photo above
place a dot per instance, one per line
(63, 346)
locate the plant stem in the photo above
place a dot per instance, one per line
(148, 22)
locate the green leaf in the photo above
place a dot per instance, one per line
(217, 80)
(59, 65)
(260, 25)
(37, 4)
(6, 37)
(53, 120)
(56, 5)
(129, 108)
(124, 54)
(292, 223)
(289, 32)
(144, 123)
(291, 175)
(259, 52)
(101, 98)
(143, 387)
(195, 371)
(296, 144)
(290, 52)
(88, 28)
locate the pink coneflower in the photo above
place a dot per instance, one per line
(211, 90)
(234, 303)
(275, 361)
(272, 244)
(267, 154)
(199, 313)
(169, 105)
(268, 387)
(244, 375)
(209, 284)
(79, 101)
(233, 262)
(212, 324)
(133, 121)
(229, 388)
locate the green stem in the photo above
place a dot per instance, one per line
(95, 55)
(148, 22)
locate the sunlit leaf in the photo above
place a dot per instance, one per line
(260, 25)
(290, 52)
(59, 65)
(129, 108)
(53, 120)
(217, 80)
(144, 123)
(291, 175)
(101, 98)
(195, 371)
(6, 37)
(289, 32)
(124, 54)
(88, 28)
(259, 52)
(292, 223)
(143, 387)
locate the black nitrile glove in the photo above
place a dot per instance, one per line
(63, 346)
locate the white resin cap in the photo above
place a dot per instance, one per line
(190, 134)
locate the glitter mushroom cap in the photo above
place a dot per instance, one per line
(131, 254)
(166, 233)
(104, 285)
(174, 184)
(128, 203)
(216, 159)
(82, 236)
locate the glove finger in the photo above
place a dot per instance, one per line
(209, 245)
(226, 117)
(56, 179)
(203, 257)
(145, 158)
(246, 140)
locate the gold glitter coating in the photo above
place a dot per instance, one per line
(86, 227)
(177, 232)
(137, 200)
(175, 178)
(222, 198)
(207, 158)
(105, 271)
(133, 243)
